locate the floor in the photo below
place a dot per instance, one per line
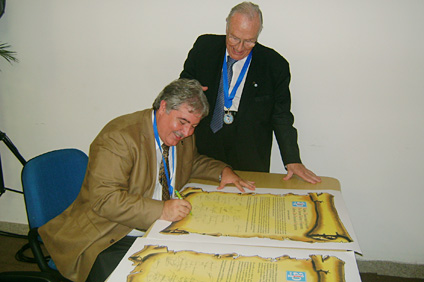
(9, 247)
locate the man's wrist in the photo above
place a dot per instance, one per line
(220, 175)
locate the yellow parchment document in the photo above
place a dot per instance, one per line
(156, 263)
(306, 218)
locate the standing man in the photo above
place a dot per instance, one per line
(135, 165)
(247, 86)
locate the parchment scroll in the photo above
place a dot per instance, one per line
(307, 218)
(156, 263)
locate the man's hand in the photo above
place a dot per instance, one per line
(301, 171)
(174, 210)
(228, 176)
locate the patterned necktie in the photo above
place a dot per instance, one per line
(218, 113)
(162, 176)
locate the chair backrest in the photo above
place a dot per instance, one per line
(51, 182)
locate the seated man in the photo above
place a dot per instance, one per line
(135, 165)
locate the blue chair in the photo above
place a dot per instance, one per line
(50, 182)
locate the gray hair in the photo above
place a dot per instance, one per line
(246, 8)
(183, 91)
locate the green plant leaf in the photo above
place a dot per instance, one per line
(7, 54)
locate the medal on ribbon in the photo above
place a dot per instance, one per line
(228, 97)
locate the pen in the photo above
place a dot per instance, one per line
(180, 197)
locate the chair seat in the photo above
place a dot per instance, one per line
(52, 265)
(27, 276)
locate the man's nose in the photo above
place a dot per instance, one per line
(240, 46)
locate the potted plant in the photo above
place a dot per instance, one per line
(4, 52)
(7, 54)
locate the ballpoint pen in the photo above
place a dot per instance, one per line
(180, 197)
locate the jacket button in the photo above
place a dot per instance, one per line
(112, 241)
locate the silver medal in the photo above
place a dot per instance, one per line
(228, 118)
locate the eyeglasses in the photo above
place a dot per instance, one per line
(235, 41)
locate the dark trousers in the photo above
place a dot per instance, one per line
(109, 259)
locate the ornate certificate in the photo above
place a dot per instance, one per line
(159, 260)
(156, 263)
(307, 218)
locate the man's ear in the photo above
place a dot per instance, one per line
(162, 106)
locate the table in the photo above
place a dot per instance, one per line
(275, 180)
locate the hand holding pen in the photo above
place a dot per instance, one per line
(181, 198)
(175, 209)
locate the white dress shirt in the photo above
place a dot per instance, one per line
(237, 67)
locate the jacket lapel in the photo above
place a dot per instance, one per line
(250, 86)
(216, 68)
(178, 169)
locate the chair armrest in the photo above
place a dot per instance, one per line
(35, 245)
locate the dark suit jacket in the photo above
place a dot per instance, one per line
(116, 195)
(264, 106)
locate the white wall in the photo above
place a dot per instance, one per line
(357, 91)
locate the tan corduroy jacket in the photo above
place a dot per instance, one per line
(116, 195)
